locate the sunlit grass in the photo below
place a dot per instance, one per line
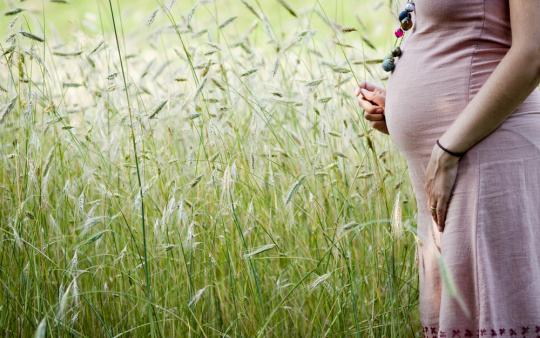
(269, 206)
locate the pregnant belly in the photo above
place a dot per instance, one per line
(421, 104)
(426, 93)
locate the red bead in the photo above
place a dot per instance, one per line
(398, 32)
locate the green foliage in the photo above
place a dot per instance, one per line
(270, 208)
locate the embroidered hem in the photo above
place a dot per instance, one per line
(522, 332)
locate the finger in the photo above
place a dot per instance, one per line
(369, 107)
(381, 94)
(384, 129)
(366, 105)
(363, 86)
(379, 125)
(367, 85)
(427, 189)
(442, 205)
(434, 215)
(358, 90)
(374, 117)
(374, 96)
(431, 202)
(367, 94)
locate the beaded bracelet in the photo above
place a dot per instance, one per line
(449, 151)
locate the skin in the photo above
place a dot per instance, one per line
(512, 81)
(372, 100)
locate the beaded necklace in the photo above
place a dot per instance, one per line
(405, 20)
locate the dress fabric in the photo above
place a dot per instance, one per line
(481, 275)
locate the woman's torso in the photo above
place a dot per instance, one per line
(447, 56)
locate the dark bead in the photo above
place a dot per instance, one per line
(388, 64)
(406, 24)
(396, 52)
(404, 15)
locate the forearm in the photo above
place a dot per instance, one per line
(512, 81)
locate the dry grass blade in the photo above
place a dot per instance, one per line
(41, 330)
(198, 295)
(252, 10)
(32, 36)
(249, 72)
(8, 51)
(200, 88)
(314, 83)
(100, 44)
(397, 222)
(288, 8)
(294, 188)
(369, 43)
(227, 22)
(71, 85)
(367, 62)
(195, 181)
(259, 250)
(13, 11)
(158, 109)
(66, 54)
(319, 280)
(341, 70)
(8, 109)
(152, 17)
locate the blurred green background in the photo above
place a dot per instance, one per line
(374, 19)
(271, 208)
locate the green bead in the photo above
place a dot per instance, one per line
(397, 52)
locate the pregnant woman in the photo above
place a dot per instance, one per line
(462, 105)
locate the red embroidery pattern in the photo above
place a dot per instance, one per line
(434, 332)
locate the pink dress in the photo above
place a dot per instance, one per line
(481, 276)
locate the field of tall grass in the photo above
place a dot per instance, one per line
(200, 169)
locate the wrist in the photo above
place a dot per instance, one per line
(444, 158)
(451, 152)
(452, 143)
